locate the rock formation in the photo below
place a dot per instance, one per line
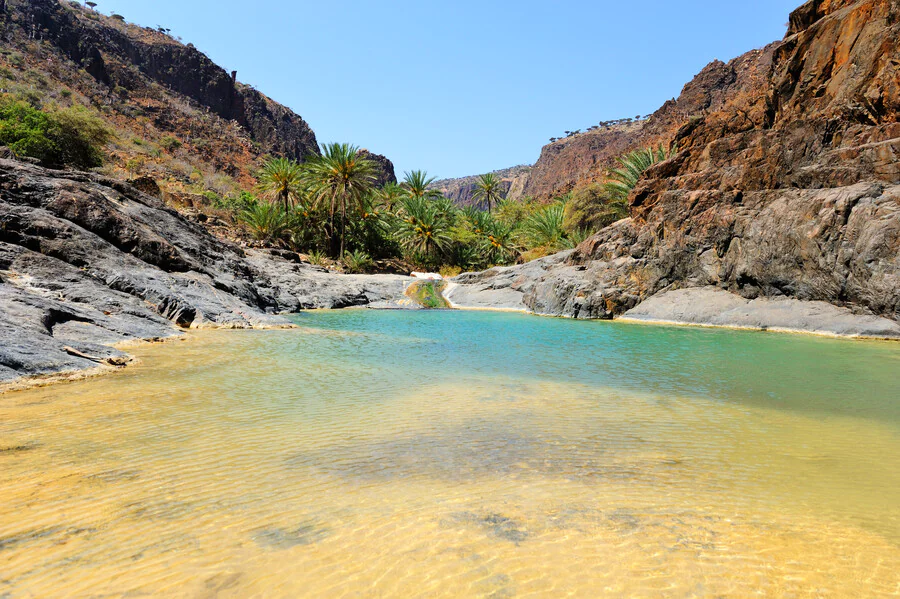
(462, 190)
(87, 261)
(385, 168)
(111, 55)
(787, 183)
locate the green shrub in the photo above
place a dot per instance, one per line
(266, 221)
(592, 207)
(448, 272)
(428, 294)
(233, 204)
(70, 136)
(357, 261)
(544, 228)
(170, 143)
(317, 258)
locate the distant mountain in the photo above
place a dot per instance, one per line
(462, 190)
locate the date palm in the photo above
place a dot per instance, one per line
(622, 180)
(489, 188)
(280, 180)
(416, 184)
(544, 228)
(423, 227)
(340, 179)
(390, 195)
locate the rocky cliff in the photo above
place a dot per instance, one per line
(117, 54)
(583, 158)
(462, 190)
(787, 183)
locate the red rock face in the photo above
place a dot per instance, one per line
(585, 158)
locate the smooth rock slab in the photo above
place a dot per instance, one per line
(711, 306)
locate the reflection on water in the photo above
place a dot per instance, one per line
(460, 455)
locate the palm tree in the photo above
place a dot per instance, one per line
(622, 180)
(340, 178)
(266, 221)
(280, 179)
(422, 228)
(499, 244)
(416, 184)
(390, 195)
(544, 228)
(488, 189)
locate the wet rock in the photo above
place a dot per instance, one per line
(282, 538)
(495, 525)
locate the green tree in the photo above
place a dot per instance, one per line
(416, 184)
(499, 245)
(266, 221)
(340, 179)
(598, 205)
(489, 189)
(422, 227)
(56, 137)
(281, 180)
(620, 181)
(390, 195)
(544, 228)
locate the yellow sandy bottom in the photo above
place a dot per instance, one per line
(135, 486)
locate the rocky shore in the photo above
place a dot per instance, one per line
(88, 263)
(507, 289)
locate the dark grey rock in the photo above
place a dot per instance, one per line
(87, 262)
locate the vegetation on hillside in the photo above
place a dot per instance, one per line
(328, 208)
(55, 136)
(601, 204)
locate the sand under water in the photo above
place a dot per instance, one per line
(448, 454)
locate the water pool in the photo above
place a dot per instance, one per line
(460, 454)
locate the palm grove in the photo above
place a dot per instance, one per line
(329, 207)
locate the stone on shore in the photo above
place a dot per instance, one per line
(716, 307)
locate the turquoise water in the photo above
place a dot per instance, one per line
(792, 372)
(460, 454)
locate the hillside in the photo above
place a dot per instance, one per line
(178, 118)
(786, 184)
(462, 190)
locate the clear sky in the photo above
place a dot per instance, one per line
(461, 87)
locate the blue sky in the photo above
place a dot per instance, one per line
(461, 87)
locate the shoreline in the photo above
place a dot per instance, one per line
(749, 328)
(644, 317)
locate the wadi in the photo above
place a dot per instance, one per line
(236, 361)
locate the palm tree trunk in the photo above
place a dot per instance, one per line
(332, 246)
(343, 221)
(284, 197)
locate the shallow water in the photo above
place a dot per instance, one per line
(460, 454)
